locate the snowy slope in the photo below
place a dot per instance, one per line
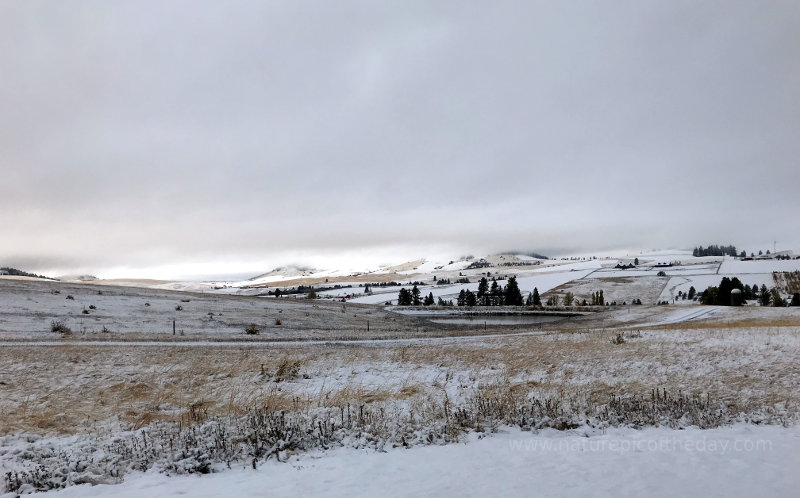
(742, 460)
(763, 266)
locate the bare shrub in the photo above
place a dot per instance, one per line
(60, 327)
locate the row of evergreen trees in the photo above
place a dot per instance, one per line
(496, 295)
(715, 250)
(487, 295)
(723, 295)
(493, 295)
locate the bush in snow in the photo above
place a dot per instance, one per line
(60, 327)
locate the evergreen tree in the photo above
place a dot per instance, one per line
(765, 296)
(723, 296)
(462, 298)
(709, 296)
(415, 295)
(483, 287)
(493, 297)
(692, 292)
(568, 299)
(635, 261)
(537, 301)
(796, 299)
(471, 299)
(429, 301)
(601, 298)
(404, 297)
(513, 296)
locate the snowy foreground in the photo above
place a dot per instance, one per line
(741, 460)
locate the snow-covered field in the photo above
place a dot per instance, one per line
(134, 313)
(742, 460)
(322, 406)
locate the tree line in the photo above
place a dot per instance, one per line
(715, 250)
(724, 295)
(487, 295)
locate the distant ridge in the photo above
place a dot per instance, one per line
(287, 271)
(532, 254)
(5, 270)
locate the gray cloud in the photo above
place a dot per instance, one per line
(147, 134)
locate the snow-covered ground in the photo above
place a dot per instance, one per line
(742, 460)
(739, 267)
(67, 401)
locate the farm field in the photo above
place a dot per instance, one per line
(137, 404)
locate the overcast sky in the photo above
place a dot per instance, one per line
(199, 138)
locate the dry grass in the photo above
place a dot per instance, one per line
(64, 390)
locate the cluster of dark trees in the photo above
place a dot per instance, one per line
(382, 284)
(409, 297)
(305, 289)
(429, 301)
(495, 295)
(492, 295)
(466, 298)
(723, 295)
(446, 281)
(413, 298)
(533, 298)
(715, 250)
(598, 299)
(5, 270)
(487, 295)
